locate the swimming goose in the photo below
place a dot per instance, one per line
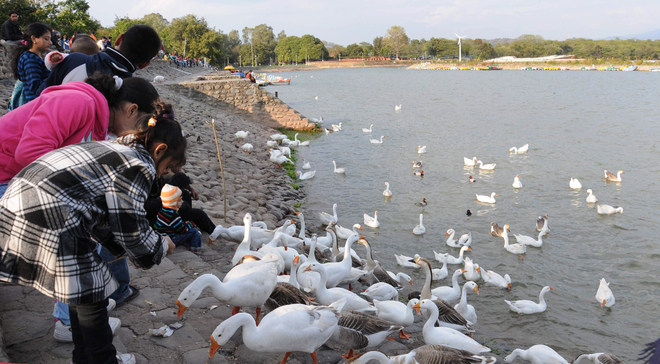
(247, 148)
(398, 313)
(520, 150)
(598, 358)
(365, 130)
(397, 108)
(528, 240)
(387, 192)
(516, 182)
(466, 310)
(336, 127)
(300, 143)
(406, 261)
(420, 229)
(591, 198)
(306, 165)
(241, 135)
(306, 175)
(463, 240)
(608, 210)
(427, 354)
(376, 141)
(494, 279)
(444, 335)
(288, 328)
(338, 170)
(613, 178)
(512, 248)
(495, 230)
(604, 294)
(381, 291)
(537, 354)
(450, 293)
(574, 184)
(487, 199)
(542, 223)
(344, 233)
(357, 331)
(326, 218)
(443, 272)
(486, 167)
(451, 259)
(528, 307)
(324, 294)
(472, 270)
(421, 149)
(417, 164)
(371, 221)
(470, 162)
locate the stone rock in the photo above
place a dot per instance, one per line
(198, 356)
(393, 347)
(25, 325)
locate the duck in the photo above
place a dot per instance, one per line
(470, 162)
(406, 261)
(528, 307)
(336, 127)
(417, 164)
(613, 178)
(608, 210)
(472, 270)
(493, 279)
(520, 150)
(338, 170)
(598, 358)
(420, 173)
(371, 221)
(466, 310)
(444, 335)
(381, 291)
(241, 135)
(307, 175)
(420, 229)
(471, 180)
(487, 199)
(421, 204)
(326, 218)
(247, 148)
(376, 141)
(516, 182)
(427, 354)
(537, 354)
(397, 108)
(443, 272)
(512, 248)
(447, 293)
(528, 240)
(365, 130)
(451, 259)
(357, 331)
(421, 149)
(463, 240)
(495, 230)
(324, 294)
(306, 165)
(282, 329)
(591, 198)
(542, 223)
(604, 294)
(486, 167)
(574, 184)
(246, 285)
(387, 192)
(397, 312)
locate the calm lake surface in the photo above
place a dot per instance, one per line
(576, 123)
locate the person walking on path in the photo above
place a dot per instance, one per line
(26, 64)
(170, 222)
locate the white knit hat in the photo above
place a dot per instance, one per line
(169, 196)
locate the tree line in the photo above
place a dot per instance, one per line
(191, 35)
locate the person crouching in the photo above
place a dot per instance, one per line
(170, 222)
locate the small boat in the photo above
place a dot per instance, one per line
(271, 79)
(285, 81)
(630, 68)
(655, 69)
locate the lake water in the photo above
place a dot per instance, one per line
(576, 123)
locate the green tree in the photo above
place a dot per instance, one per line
(261, 43)
(121, 25)
(281, 35)
(484, 50)
(72, 16)
(378, 46)
(195, 35)
(396, 39)
(232, 43)
(28, 11)
(353, 50)
(156, 21)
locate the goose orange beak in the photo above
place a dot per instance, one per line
(476, 289)
(551, 288)
(308, 269)
(181, 309)
(296, 259)
(417, 308)
(410, 282)
(214, 348)
(602, 304)
(470, 249)
(508, 286)
(463, 271)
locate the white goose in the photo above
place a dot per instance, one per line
(421, 149)
(398, 313)
(604, 294)
(537, 354)
(299, 142)
(608, 210)
(417, 164)
(486, 167)
(451, 259)
(444, 335)
(542, 223)
(427, 354)
(336, 127)
(463, 240)
(271, 143)
(520, 150)
(516, 182)
(287, 328)
(591, 198)
(528, 240)
(243, 248)
(306, 165)
(324, 241)
(472, 270)
(306, 175)
(443, 272)
(397, 108)
(365, 130)
(466, 310)
(324, 294)
(376, 141)
(528, 307)
(574, 184)
(420, 229)
(387, 192)
(241, 135)
(344, 233)
(487, 199)
(406, 261)
(308, 280)
(598, 358)
(400, 277)
(338, 170)
(381, 291)
(450, 294)
(494, 279)
(470, 162)
(611, 177)
(327, 219)
(338, 271)
(247, 148)
(512, 248)
(371, 221)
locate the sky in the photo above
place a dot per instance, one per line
(353, 21)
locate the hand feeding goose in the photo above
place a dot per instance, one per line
(486, 167)
(493, 279)
(376, 141)
(398, 313)
(520, 150)
(381, 291)
(574, 184)
(487, 199)
(613, 178)
(387, 192)
(451, 259)
(608, 210)
(528, 307)
(591, 198)
(421, 149)
(472, 270)
(463, 240)
(537, 354)
(338, 170)
(466, 310)
(512, 248)
(427, 354)
(604, 294)
(288, 328)
(599, 358)
(470, 162)
(516, 182)
(420, 229)
(371, 221)
(365, 130)
(326, 218)
(324, 294)
(528, 240)
(306, 165)
(241, 135)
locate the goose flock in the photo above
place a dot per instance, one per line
(314, 304)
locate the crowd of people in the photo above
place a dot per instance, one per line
(182, 61)
(90, 177)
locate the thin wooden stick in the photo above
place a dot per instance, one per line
(222, 170)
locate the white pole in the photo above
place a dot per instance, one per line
(459, 50)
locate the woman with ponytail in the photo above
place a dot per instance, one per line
(26, 64)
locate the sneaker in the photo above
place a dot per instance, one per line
(125, 358)
(63, 332)
(111, 304)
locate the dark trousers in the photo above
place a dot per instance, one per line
(92, 336)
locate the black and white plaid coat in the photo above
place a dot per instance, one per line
(59, 207)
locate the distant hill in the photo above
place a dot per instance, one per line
(653, 35)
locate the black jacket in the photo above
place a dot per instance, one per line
(11, 31)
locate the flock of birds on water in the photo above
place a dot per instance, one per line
(306, 284)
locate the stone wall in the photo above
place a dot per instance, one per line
(240, 96)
